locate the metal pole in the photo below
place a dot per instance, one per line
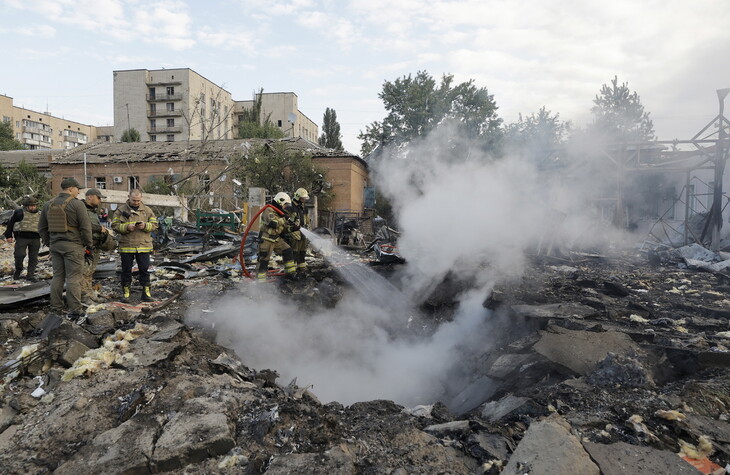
(686, 211)
(720, 160)
(86, 177)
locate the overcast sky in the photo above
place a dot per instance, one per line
(59, 55)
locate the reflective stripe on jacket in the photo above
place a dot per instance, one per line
(137, 240)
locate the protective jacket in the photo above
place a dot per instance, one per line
(77, 221)
(299, 216)
(273, 225)
(23, 223)
(96, 234)
(137, 240)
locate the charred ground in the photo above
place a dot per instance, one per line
(591, 350)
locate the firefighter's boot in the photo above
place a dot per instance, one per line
(147, 294)
(126, 292)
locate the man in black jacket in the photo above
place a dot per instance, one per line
(23, 230)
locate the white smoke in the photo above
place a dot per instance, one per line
(468, 215)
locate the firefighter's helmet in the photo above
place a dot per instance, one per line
(301, 195)
(282, 199)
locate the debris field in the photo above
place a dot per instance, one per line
(614, 364)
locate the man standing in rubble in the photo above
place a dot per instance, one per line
(135, 222)
(64, 226)
(298, 217)
(273, 224)
(98, 234)
(23, 230)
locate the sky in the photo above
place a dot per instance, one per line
(59, 55)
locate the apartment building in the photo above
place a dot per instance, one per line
(283, 110)
(175, 105)
(171, 105)
(41, 130)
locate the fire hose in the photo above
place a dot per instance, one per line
(245, 234)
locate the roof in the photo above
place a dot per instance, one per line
(179, 151)
(38, 158)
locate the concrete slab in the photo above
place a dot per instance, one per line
(622, 458)
(549, 448)
(582, 350)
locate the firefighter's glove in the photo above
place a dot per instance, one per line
(88, 255)
(293, 227)
(272, 224)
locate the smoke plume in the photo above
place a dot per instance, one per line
(459, 213)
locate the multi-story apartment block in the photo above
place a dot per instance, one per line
(41, 130)
(171, 105)
(179, 104)
(283, 110)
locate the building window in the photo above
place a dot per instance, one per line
(278, 122)
(153, 109)
(153, 138)
(100, 182)
(133, 182)
(152, 93)
(170, 138)
(6, 118)
(205, 181)
(153, 124)
(170, 90)
(170, 107)
(171, 122)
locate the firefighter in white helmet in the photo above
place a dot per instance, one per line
(298, 218)
(273, 225)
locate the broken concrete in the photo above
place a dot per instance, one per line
(332, 462)
(549, 448)
(581, 351)
(622, 458)
(556, 310)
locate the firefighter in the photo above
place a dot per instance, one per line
(298, 217)
(64, 226)
(23, 230)
(270, 237)
(134, 221)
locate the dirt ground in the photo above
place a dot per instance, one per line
(606, 364)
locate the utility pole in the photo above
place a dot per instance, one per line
(129, 127)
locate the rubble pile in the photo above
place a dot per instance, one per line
(605, 365)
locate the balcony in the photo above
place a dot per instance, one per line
(163, 83)
(47, 131)
(164, 130)
(164, 97)
(165, 113)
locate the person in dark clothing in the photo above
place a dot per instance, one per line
(65, 227)
(23, 230)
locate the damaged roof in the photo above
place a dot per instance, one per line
(176, 151)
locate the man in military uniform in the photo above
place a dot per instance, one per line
(98, 234)
(23, 230)
(64, 226)
(270, 240)
(134, 221)
(298, 217)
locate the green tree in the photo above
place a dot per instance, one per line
(7, 141)
(251, 124)
(331, 136)
(619, 116)
(24, 180)
(416, 105)
(131, 135)
(275, 168)
(537, 136)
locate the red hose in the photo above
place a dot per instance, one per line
(245, 234)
